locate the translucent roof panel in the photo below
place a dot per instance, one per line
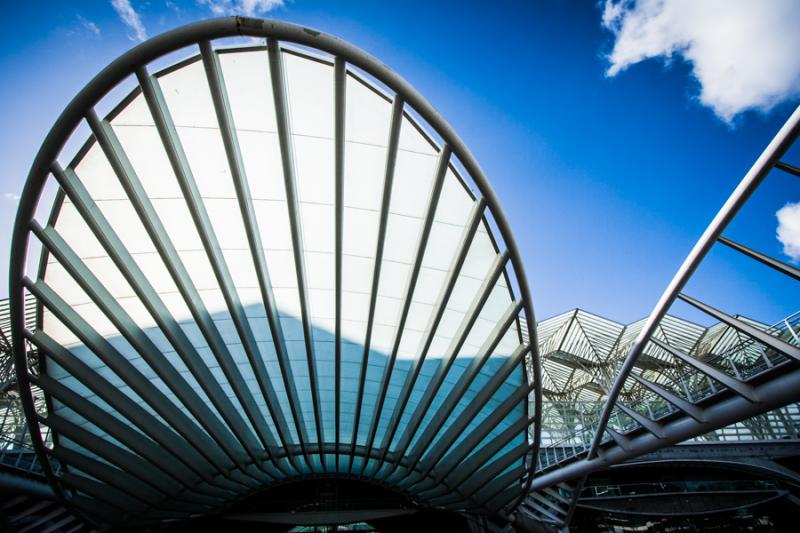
(262, 266)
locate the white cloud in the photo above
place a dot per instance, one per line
(788, 232)
(744, 53)
(248, 8)
(89, 25)
(14, 197)
(131, 18)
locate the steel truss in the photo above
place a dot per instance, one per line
(696, 374)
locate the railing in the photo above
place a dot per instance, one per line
(677, 486)
(783, 423)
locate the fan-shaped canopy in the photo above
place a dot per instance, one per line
(265, 265)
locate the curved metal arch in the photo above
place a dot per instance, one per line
(135, 60)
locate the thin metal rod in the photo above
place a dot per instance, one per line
(219, 96)
(780, 266)
(84, 277)
(169, 255)
(117, 362)
(751, 331)
(482, 295)
(490, 422)
(465, 241)
(459, 425)
(469, 466)
(164, 449)
(422, 243)
(458, 391)
(684, 405)
(388, 179)
(786, 167)
(130, 270)
(653, 427)
(292, 202)
(179, 38)
(737, 386)
(340, 102)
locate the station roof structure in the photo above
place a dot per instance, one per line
(273, 264)
(267, 263)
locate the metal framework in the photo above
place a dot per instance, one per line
(205, 336)
(630, 390)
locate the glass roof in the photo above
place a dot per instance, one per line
(261, 266)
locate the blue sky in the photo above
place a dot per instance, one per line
(607, 180)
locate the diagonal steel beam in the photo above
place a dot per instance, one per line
(458, 391)
(460, 336)
(422, 243)
(157, 442)
(340, 100)
(391, 159)
(137, 338)
(468, 467)
(780, 266)
(169, 255)
(292, 201)
(684, 405)
(202, 223)
(761, 336)
(222, 107)
(465, 242)
(117, 362)
(786, 167)
(739, 387)
(133, 274)
(459, 425)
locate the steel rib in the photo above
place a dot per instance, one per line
(292, 201)
(422, 242)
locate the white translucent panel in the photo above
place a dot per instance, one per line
(98, 177)
(360, 228)
(177, 220)
(199, 268)
(67, 287)
(188, 97)
(413, 180)
(463, 294)
(443, 243)
(310, 92)
(159, 278)
(480, 257)
(227, 223)
(262, 164)
(240, 265)
(393, 279)
(135, 113)
(413, 140)
(364, 173)
(281, 269)
(318, 227)
(309, 86)
(314, 167)
(109, 276)
(208, 162)
(320, 270)
(368, 114)
(74, 230)
(454, 203)
(247, 80)
(126, 224)
(149, 160)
